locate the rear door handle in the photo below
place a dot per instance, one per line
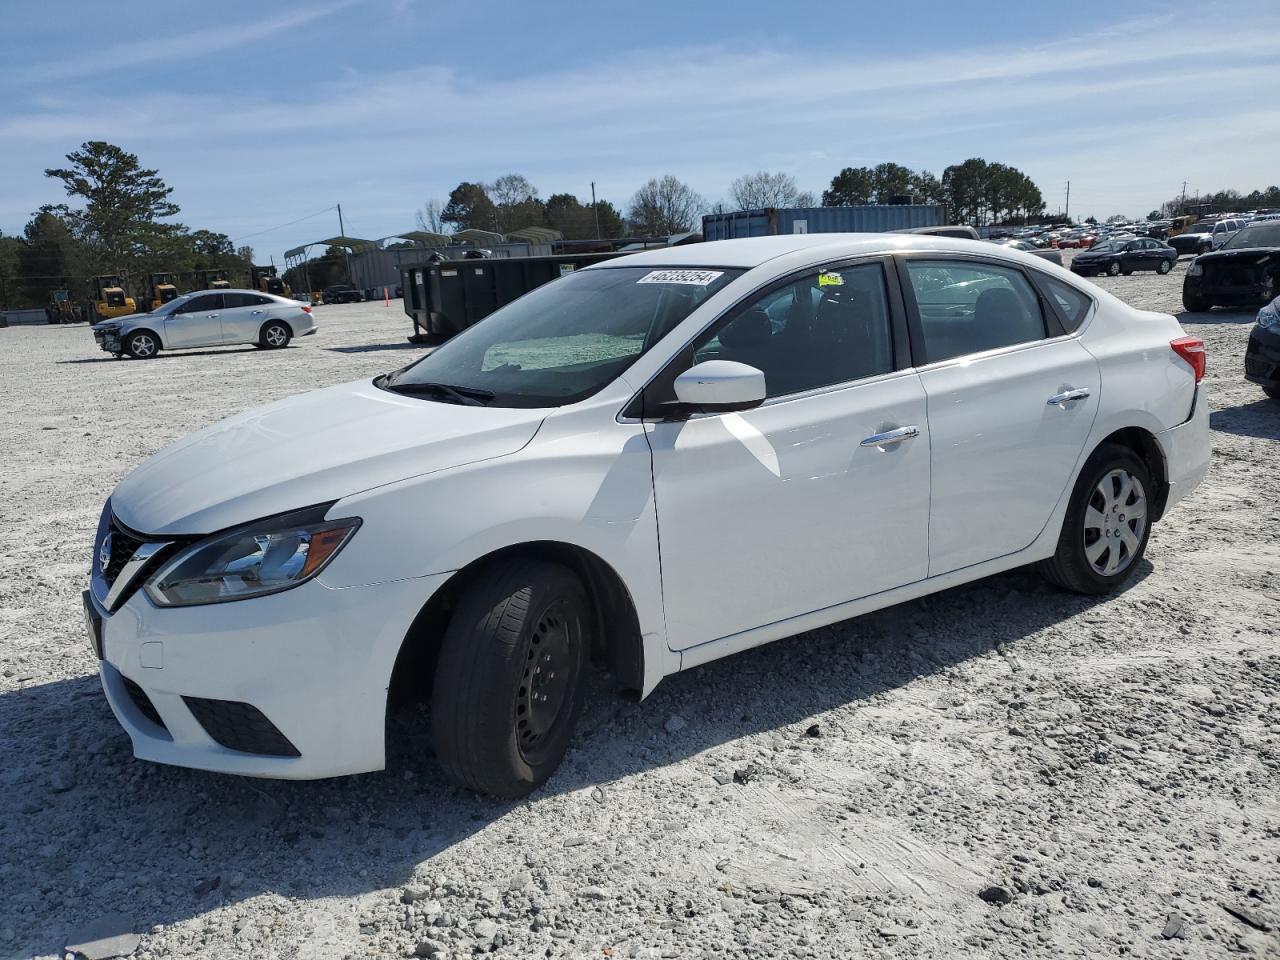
(1059, 399)
(890, 437)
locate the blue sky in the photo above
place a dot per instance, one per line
(260, 114)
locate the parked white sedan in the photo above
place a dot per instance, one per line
(207, 318)
(646, 465)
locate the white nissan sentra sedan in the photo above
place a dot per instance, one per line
(207, 318)
(643, 466)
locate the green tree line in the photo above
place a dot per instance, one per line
(116, 220)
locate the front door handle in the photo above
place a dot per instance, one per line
(1060, 399)
(256, 313)
(890, 437)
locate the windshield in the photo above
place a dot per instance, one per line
(1264, 234)
(565, 340)
(172, 305)
(1200, 228)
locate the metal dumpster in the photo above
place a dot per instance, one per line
(872, 218)
(446, 297)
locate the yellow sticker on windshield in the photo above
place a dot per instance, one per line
(830, 280)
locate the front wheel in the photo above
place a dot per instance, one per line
(1164, 266)
(1114, 269)
(1195, 303)
(274, 336)
(509, 683)
(142, 345)
(1108, 520)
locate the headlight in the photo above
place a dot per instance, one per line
(253, 560)
(1269, 316)
(1195, 269)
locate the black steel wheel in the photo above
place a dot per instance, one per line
(510, 679)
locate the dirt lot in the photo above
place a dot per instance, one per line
(1112, 766)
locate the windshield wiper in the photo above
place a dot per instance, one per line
(469, 396)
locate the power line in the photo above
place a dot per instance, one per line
(250, 236)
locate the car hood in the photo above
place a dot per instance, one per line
(1243, 253)
(309, 449)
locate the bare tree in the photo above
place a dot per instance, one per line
(511, 189)
(664, 206)
(755, 191)
(429, 217)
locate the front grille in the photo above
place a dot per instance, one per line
(142, 702)
(240, 726)
(123, 544)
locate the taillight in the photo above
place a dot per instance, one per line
(306, 309)
(1191, 349)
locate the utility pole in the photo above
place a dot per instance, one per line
(346, 251)
(1068, 214)
(595, 209)
(1184, 196)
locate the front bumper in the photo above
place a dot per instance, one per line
(314, 663)
(108, 340)
(1262, 357)
(1186, 451)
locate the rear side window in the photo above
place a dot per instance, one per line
(1073, 304)
(971, 307)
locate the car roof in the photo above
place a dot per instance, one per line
(257, 293)
(751, 252)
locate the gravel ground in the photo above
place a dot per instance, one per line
(999, 770)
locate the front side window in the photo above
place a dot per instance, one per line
(830, 326)
(971, 307)
(565, 340)
(200, 304)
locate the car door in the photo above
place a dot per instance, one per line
(1011, 400)
(197, 323)
(818, 496)
(242, 316)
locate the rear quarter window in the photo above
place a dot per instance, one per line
(1073, 304)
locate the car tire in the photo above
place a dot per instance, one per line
(142, 345)
(521, 631)
(1100, 510)
(1194, 303)
(1164, 266)
(275, 335)
(1113, 269)
(1127, 273)
(1272, 392)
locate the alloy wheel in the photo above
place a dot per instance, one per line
(143, 346)
(276, 336)
(1114, 522)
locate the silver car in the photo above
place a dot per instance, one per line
(207, 318)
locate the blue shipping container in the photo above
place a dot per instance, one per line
(877, 218)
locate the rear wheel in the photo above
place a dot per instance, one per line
(1108, 520)
(509, 683)
(142, 345)
(1164, 266)
(274, 335)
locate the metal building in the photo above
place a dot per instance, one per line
(872, 218)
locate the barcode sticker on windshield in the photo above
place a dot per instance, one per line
(695, 278)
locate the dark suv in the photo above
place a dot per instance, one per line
(341, 293)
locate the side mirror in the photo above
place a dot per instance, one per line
(720, 386)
